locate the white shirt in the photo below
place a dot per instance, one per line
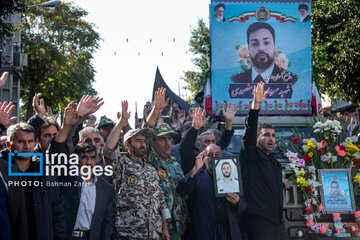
(86, 206)
(265, 75)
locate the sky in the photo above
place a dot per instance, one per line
(138, 36)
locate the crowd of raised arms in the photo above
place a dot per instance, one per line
(88, 179)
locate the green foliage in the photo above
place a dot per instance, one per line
(59, 44)
(8, 7)
(336, 47)
(200, 46)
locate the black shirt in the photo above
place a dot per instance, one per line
(262, 175)
(29, 201)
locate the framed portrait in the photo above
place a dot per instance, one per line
(227, 175)
(337, 193)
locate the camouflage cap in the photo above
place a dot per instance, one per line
(163, 129)
(147, 132)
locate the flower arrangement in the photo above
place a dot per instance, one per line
(280, 59)
(330, 146)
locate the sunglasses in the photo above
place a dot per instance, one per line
(89, 140)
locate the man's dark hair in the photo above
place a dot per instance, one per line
(219, 6)
(260, 25)
(84, 147)
(303, 6)
(48, 123)
(263, 125)
(334, 182)
(13, 129)
(225, 163)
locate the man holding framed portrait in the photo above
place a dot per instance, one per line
(211, 217)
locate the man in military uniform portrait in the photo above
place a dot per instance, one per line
(226, 183)
(335, 196)
(261, 45)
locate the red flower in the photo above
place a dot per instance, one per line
(303, 104)
(340, 152)
(342, 148)
(320, 151)
(308, 189)
(306, 158)
(270, 105)
(308, 210)
(245, 106)
(357, 162)
(296, 104)
(295, 139)
(280, 105)
(286, 100)
(301, 100)
(331, 118)
(336, 214)
(291, 104)
(275, 101)
(221, 106)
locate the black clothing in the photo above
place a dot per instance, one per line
(258, 79)
(188, 152)
(307, 18)
(269, 231)
(48, 204)
(5, 233)
(262, 176)
(15, 202)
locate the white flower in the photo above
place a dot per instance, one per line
(311, 169)
(334, 158)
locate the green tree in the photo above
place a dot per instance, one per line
(60, 46)
(8, 7)
(200, 46)
(336, 47)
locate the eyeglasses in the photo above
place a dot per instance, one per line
(89, 140)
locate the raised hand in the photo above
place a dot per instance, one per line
(229, 113)
(159, 100)
(5, 112)
(259, 95)
(85, 105)
(71, 116)
(96, 105)
(3, 79)
(199, 119)
(91, 121)
(39, 109)
(124, 115)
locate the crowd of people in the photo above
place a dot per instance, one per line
(109, 181)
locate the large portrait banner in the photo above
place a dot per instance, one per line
(261, 42)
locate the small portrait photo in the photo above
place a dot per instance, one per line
(304, 13)
(227, 176)
(219, 12)
(336, 191)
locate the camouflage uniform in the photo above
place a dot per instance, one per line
(170, 173)
(139, 202)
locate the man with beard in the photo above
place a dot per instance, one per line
(262, 176)
(219, 12)
(304, 13)
(227, 183)
(211, 218)
(140, 208)
(261, 44)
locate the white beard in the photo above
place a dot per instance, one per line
(302, 17)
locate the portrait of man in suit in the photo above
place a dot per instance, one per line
(261, 46)
(304, 13)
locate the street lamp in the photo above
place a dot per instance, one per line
(53, 3)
